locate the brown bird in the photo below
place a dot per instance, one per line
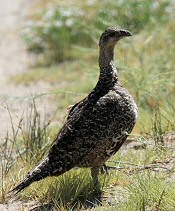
(96, 127)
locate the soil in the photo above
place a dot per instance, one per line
(14, 59)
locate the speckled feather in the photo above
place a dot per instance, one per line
(97, 126)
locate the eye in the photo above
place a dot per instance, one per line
(112, 34)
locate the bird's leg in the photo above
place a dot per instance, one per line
(104, 169)
(94, 174)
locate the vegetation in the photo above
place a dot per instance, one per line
(57, 28)
(143, 178)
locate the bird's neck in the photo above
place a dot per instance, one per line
(108, 73)
(107, 79)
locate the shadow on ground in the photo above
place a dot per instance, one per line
(94, 200)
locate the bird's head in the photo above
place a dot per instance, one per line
(110, 36)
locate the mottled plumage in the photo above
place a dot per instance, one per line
(96, 127)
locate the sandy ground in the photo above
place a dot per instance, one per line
(15, 59)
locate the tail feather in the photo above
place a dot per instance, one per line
(20, 186)
(40, 172)
(47, 167)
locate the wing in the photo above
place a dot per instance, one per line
(83, 129)
(75, 108)
(88, 128)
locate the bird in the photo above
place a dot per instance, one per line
(96, 127)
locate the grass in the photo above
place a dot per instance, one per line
(147, 192)
(146, 68)
(138, 188)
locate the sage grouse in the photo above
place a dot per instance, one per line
(96, 127)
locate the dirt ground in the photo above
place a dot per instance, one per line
(15, 59)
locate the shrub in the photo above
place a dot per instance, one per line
(55, 32)
(59, 27)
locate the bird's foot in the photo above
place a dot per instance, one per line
(104, 169)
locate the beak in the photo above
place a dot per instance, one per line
(125, 33)
(128, 34)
